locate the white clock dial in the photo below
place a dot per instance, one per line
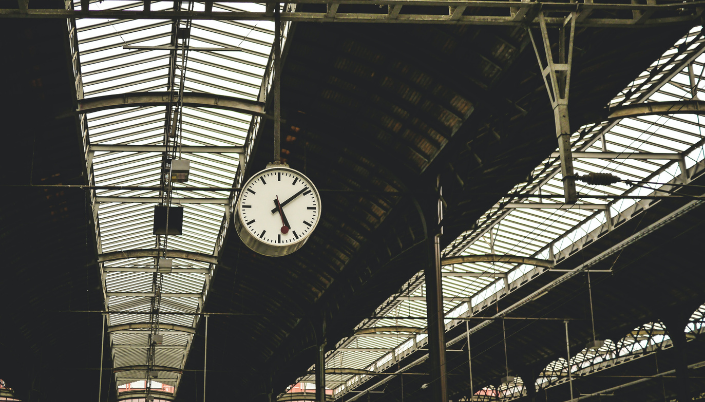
(278, 209)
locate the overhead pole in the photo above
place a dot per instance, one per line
(320, 369)
(277, 83)
(434, 296)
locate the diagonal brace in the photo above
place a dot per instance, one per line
(556, 77)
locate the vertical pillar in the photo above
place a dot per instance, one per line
(205, 360)
(434, 299)
(321, 363)
(675, 325)
(567, 348)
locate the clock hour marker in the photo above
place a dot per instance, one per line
(263, 182)
(295, 180)
(279, 238)
(250, 190)
(250, 222)
(306, 192)
(307, 224)
(310, 207)
(295, 235)
(279, 176)
(247, 206)
(262, 235)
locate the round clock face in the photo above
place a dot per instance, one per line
(278, 207)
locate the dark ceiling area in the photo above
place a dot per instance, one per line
(47, 245)
(368, 110)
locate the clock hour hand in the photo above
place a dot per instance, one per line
(290, 199)
(285, 222)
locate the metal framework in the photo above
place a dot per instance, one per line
(645, 146)
(148, 91)
(588, 13)
(124, 61)
(643, 341)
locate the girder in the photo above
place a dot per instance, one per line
(193, 99)
(187, 255)
(375, 330)
(512, 259)
(144, 367)
(146, 325)
(517, 13)
(656, 108)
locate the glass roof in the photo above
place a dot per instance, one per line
(106, 63)
(548, 234)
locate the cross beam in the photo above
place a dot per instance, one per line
(187, 255)
(446, 12)
(162, 148)
(148, 325)
(193, 99)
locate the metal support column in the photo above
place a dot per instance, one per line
(434, 299)
(205, 357)
(556, 77)
(567, 348)
(675, 325)
(467, 334)
(321, 363)
(102, 349)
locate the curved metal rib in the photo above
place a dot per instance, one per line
(512, 259)
(97, 103)
(188, 255)
(147, 325)
(375, 330)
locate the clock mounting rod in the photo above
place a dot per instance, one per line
(277, 84)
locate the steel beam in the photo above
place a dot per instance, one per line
(187, 255)
(378, 350)
(512, 259)
(622, 155)
(375, 330)
(695, 10)
(147, 346)
(132, 379)
(423, 298)
(192, 99)
(475, 274)
(156, 200)
(146, 368)
(148, 325)
(656, 108)
(191, 48)
(539, 205)
(142, 395)
(175, 270)
(150, 294)
(163, 148)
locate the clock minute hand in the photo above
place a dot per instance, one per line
(285, 222)
(290, 199)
